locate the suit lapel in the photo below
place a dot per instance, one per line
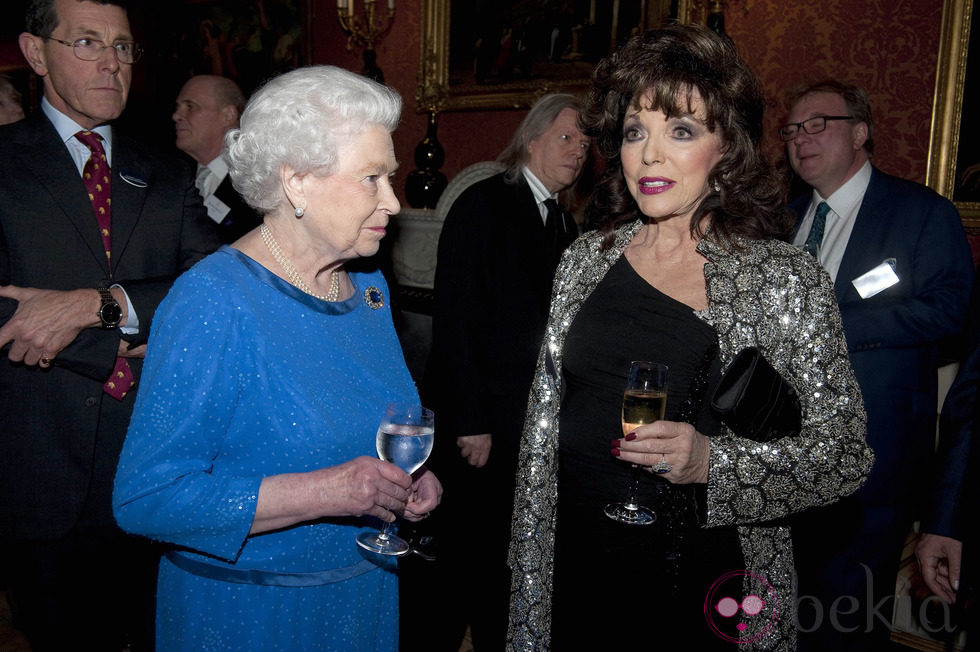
(525, 234)
(855, 261)
(529, 206)
(45, 156)
(226, 192)
(529, 214)
(131, 181)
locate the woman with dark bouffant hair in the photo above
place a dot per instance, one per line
(684, 270)
(744, 197)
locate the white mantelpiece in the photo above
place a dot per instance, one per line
(413, 252)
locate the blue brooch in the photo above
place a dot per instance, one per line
(374, 298)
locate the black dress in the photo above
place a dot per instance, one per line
(633, 585)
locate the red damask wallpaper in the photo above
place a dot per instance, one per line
(888, 46)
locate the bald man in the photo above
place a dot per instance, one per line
(208, 106)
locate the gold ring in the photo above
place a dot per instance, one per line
(45, 361)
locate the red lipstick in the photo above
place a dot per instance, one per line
(654, 185)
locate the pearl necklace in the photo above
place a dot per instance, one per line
(332, 294)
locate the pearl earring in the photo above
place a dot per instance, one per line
(300, 212)
(717, 187)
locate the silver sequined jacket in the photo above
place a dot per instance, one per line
(767, 294)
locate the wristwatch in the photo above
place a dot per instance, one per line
(109, 312)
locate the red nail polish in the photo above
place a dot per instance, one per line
(614, 452)
(630, 437)
(616, 443)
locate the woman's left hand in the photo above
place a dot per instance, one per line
(678, 444)
(424, 496)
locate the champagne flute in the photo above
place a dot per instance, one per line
(644, 401)
(404, 439)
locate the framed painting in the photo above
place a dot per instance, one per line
(953, 168)
(495, 54)
(245, 41)
(248, 42)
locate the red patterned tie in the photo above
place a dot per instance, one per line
(98, 181)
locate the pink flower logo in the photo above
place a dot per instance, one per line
(760, 608)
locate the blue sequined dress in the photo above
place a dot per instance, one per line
(248, 377)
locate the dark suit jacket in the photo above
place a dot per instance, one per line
(241, 217)
(492, 293)
(954, 495)
(955, 491)
(61, 433)
(893, 336)
(952, 502)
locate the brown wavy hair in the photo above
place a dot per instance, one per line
(672, 63)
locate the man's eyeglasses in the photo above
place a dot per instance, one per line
(810, 125)
(90, 49)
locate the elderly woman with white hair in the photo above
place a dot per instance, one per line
(252, 443)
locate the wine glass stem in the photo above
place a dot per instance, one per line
(631, 492)
(383, 535)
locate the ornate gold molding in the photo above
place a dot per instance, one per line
(947, 106)
(433, 56)
(434, 92)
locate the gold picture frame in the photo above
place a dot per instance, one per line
(946, 141)
(435, 92)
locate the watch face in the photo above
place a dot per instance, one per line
(110, 313)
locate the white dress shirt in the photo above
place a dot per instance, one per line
(208, 183)
(209, 177)
(541, 194)
(844, 206)
(67, 128)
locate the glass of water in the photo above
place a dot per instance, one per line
(404, 439)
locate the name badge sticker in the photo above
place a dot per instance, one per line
(217, 209)
(133, 180)
(878, 279)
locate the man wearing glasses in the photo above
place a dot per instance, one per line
(902, 273)
(94, 227)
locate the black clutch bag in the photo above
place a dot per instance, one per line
(754, 401)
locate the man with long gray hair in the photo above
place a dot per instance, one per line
(498, 251)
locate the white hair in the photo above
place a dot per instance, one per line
(300, 120)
